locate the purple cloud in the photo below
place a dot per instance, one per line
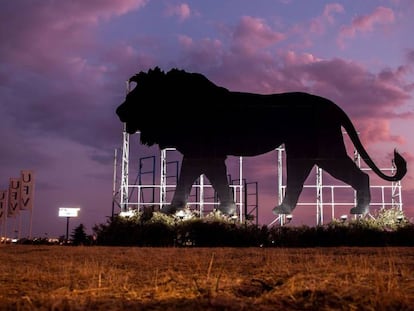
(366, 23)
(252, 34)
(182, 11)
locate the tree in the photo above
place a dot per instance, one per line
(79, 236)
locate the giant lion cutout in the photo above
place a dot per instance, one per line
(206, 123)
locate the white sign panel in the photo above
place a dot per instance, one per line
(14, 197)
(68, 212)
(26, 189)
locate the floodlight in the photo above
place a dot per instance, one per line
(129, 213)
(288, 218)
(180, 214)
(344, 218)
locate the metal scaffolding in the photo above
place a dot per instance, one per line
(321, 202)
(124, 189)
(131, 195)
(124, 192)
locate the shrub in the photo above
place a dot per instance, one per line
(214, 230)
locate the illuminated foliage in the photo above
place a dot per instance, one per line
(214, 230)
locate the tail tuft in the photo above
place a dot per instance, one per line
(401, 166)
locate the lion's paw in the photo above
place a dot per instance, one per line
(227, 209)
(282, 209)
(170, 209)
(359, 210)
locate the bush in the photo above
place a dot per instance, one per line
(160, 230)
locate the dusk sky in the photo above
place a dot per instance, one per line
(63, 67)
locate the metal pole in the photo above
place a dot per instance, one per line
(125, 165)
(280, 181)
(201, 178)
(125, 171)
(67, 229)
(319, 200)
(245, 202)
(114, 186)
(163, 178)
(241, 189)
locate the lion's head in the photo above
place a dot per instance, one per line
(160, 104)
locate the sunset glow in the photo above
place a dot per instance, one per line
(63, 67)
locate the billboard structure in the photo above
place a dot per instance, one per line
(68, 212)
(329, 196)
(18, 197)
(148, 191)
(310, 127)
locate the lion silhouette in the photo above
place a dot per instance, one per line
(206, 123)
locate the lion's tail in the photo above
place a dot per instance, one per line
(398, 161)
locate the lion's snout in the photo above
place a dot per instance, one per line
(121, 112)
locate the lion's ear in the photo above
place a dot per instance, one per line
(134, 79)
(156, 71)
(137, 77)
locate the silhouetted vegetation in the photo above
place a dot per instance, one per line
(215, 231)
(79, 236)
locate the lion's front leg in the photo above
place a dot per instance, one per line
(216, 172)
(189, 172)
(297, 172)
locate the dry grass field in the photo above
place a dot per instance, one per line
(132, 278)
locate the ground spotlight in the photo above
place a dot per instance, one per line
(180, 214)
(127, 214)
(343, 218)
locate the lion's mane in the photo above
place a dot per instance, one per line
(166, 99)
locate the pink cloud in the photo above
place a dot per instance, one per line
(331, 8)
(182, 11)
(252, 34)
(292, 58)
(377, 130)
(185, 41)
(205, 51)
(318, 24)
(348, 83)
(46, 31)
(366, 23)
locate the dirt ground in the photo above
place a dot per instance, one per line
(132, 278)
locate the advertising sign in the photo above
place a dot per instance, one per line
(68, 212)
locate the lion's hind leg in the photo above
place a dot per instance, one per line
(345, 169)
